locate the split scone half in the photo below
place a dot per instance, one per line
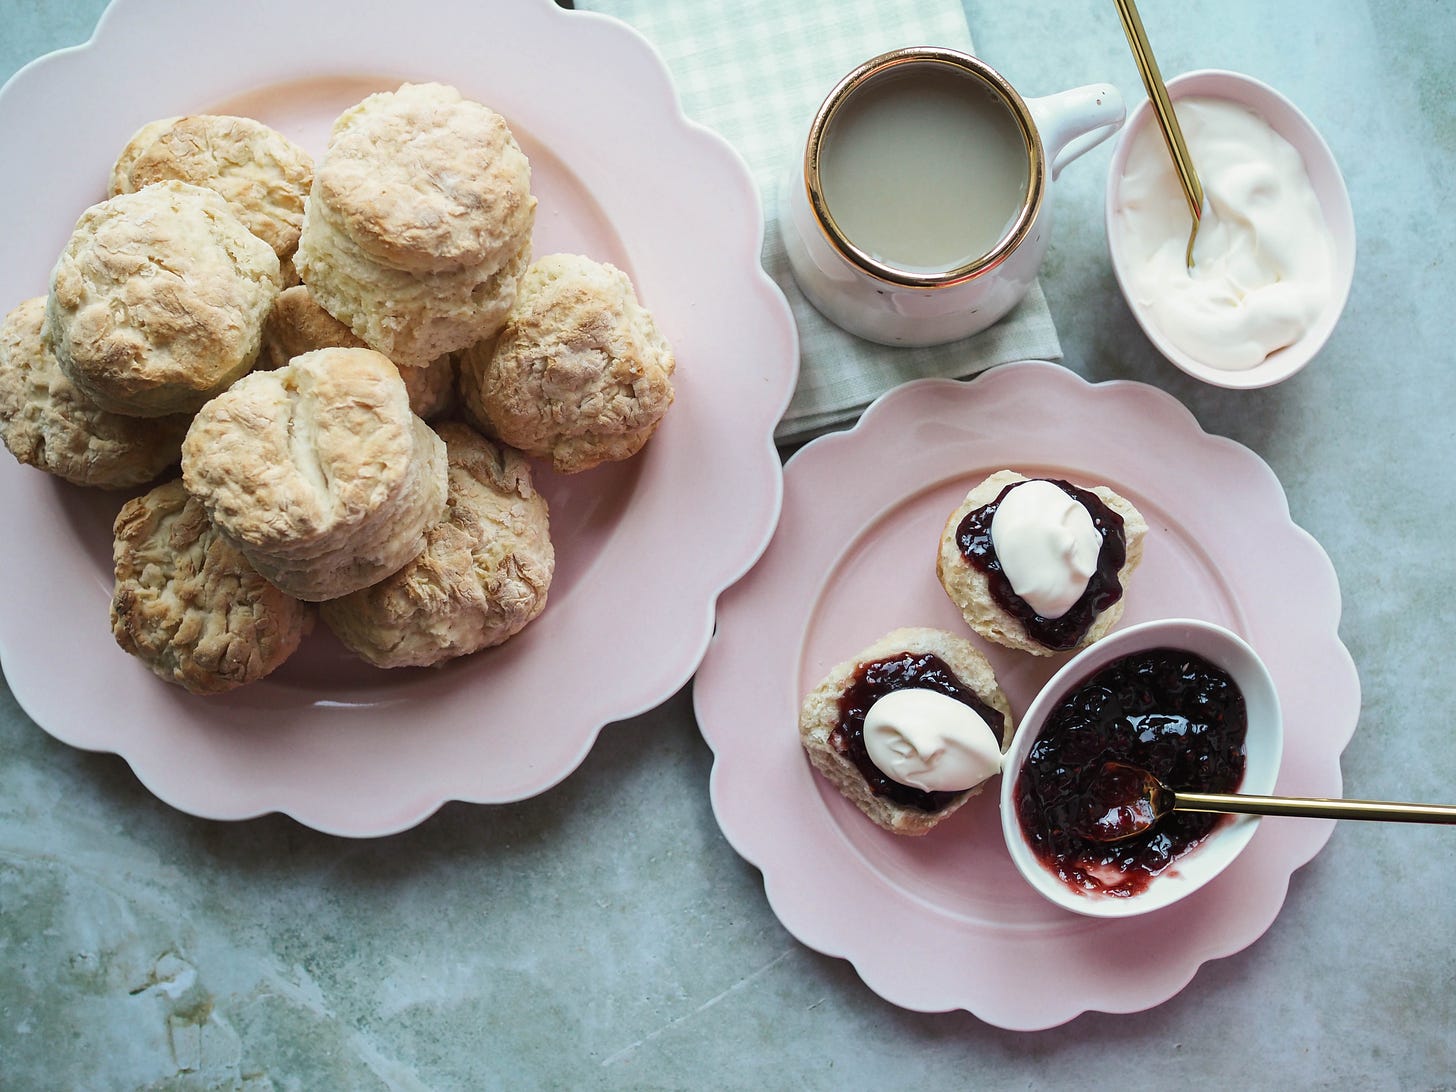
(483, 575)
(318, 472)
(189, 605)
(1040, 564)
(909, 729)
(46, 422)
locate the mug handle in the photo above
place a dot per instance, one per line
(1076, 121)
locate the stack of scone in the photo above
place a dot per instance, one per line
(309, 473)
(419, 223)
(318, 472)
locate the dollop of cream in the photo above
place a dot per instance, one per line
(930, 741)
(1263, 256)
(1047, 545)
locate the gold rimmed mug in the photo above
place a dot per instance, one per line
(919, 213)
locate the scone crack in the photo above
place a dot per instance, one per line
(302, 450)
(157, 261)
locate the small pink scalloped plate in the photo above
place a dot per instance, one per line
(945, 921)
(643, 548)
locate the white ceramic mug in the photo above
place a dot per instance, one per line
(900, 303)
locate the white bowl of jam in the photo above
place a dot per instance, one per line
(1275, 253)
(1187, 700)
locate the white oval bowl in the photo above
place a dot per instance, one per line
(1264, 746)
(1329, 188)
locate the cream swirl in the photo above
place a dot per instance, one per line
(1262, 261)
(1046, 544)
(930, 741)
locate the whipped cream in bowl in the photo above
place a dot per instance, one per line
(1275, 254)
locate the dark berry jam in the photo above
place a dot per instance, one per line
(1171, 712)
(909, 670)
(973, 536)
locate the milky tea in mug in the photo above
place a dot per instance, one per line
(925, 169)
(918, 214)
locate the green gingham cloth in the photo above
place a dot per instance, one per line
(756, 71)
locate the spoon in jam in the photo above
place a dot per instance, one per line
(1126, 800)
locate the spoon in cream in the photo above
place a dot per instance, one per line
(1147, 65)
(1126, 800)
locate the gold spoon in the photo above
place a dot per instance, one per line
(1163, 111)
(1129, 800)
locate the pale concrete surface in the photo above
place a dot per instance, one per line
(605, 935)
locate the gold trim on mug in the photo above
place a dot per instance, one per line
(967, 65)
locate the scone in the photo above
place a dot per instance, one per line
(431, 386)
(939, 748)
(579, 375)
(298, 325)
(419, 222)
(482, 577)
(1040, 565)
(158, 301)
(261, 174)
(120, 179)
(188, 604)
(46, 422)
(318, 472)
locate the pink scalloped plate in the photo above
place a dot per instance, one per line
(643, 548)
(945, 921)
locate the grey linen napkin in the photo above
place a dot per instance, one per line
(756, 71)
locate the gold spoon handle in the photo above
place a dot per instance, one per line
(1147, 65)
(1315, 807)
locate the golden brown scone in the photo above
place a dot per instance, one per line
(832, 751)
(482, 577)
(188, 604)
(46, 422)
(158, 301)
(261, 174)
(969, 587)
(419, 222)
(580, 374)
(431, 387)
(318, 471)
(298, 325)
(141, 140)
(425, 180)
